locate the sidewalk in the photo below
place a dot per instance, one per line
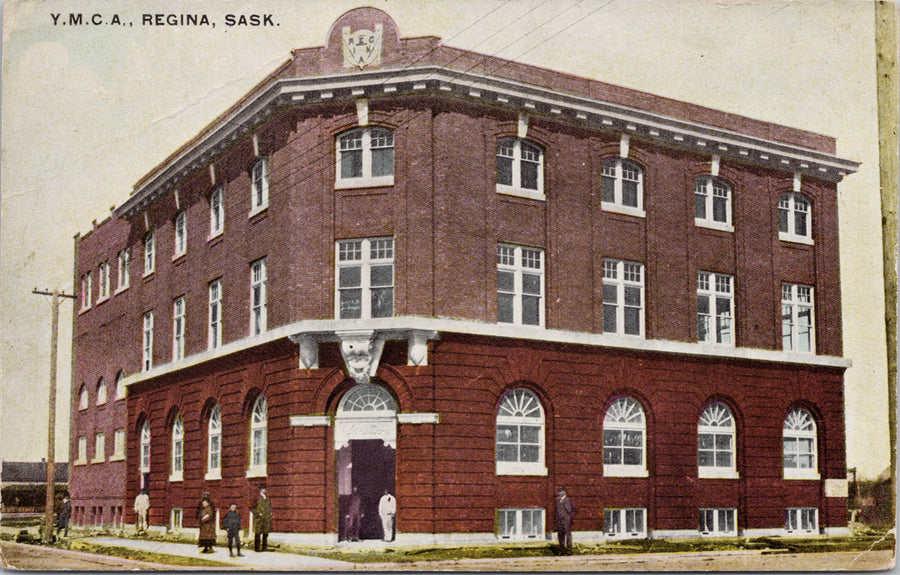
(268, 561)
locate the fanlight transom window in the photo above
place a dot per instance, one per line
(368, 398)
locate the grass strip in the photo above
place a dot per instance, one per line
(147, 556)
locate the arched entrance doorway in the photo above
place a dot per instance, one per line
(365, 443)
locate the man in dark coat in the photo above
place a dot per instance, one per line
(65, 513)
(353, 515)
(565, 512)
(232, 525)
(262, 521)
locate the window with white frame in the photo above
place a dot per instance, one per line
(520, 524)
(82, 450)
(800, 445)
(715, 308)
(625, 523)
(259, 175)
(797, 325)
(623, 186)
(214, 444)
(365, 158)
(178, 321)
(149, 253)
(176, 515)
(176, 468)
(520, 434)
(83, 398)
(365, 278)
(623, 297)
(624, 438)
(520, 285)
(180, 234)
(712, 203)
(214, 338)
(119, 439)
(718, 522)
(258, 296)
(716, 441)
(87, 287)
(145, 448)
(794, 218)
(217, 211)
(520, 168)
(120, 385)
(124, 266)
(101, 392)
(99, 448)
(147, 347)
(259, 422)
(801, 520)
(103, 281)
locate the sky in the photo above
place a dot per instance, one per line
(88, 110)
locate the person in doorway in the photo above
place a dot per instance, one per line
(354, 515)
(565, 513)
(232, 525)
(65, 513)
(206, 518)
(387, 509)
(262, 521)
(141, 508)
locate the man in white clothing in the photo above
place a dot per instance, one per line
(387, 509)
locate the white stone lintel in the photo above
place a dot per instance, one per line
(418, 418)
(310, 420)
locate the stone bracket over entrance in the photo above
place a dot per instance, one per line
(361, 348)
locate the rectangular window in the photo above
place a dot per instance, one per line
(87, 287)
(99, 448)
(520, 524)
(797, 328)
(119, 445)
(215, 314)
(712, 203)
(103, 281)
(217, 211)
(175, 517)
(82, 450)
(124, 269)
(718, 522)
(258, 296)
(365, 278)
(365, 158)
(520, 285)
(715, 308)
(147, 355)
(180, 234)
(624, 523)
(149, 253)
(801, 520)
(260, 180)
(622, 187)
(178, 321)
(623, 297)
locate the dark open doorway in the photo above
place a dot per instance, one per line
(369, 466)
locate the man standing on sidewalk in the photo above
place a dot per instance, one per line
(387, 509)
(141, 507)
(565, 512)
(232, 525)
(262, 521)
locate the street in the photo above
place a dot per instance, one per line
(36, 557)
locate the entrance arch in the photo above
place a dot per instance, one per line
(365, 443)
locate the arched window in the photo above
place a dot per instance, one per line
(145, 448)
(83, 397)
(799, 441)
(624, 438)
(520, 168)
(794, 218)
(259, 419)
(623, 186)
(214, 445)
(120, 385)
(368, 397)
(520, 434)
(101, 392)
(177, 470)
(712, 203)
(715, 442)
(365, 157)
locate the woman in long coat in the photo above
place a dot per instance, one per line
(206, 517)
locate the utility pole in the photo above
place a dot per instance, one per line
(51, 428)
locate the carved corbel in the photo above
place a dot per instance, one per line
(361, 351)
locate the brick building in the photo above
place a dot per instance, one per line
(395, 265)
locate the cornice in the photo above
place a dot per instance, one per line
(518, 97)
